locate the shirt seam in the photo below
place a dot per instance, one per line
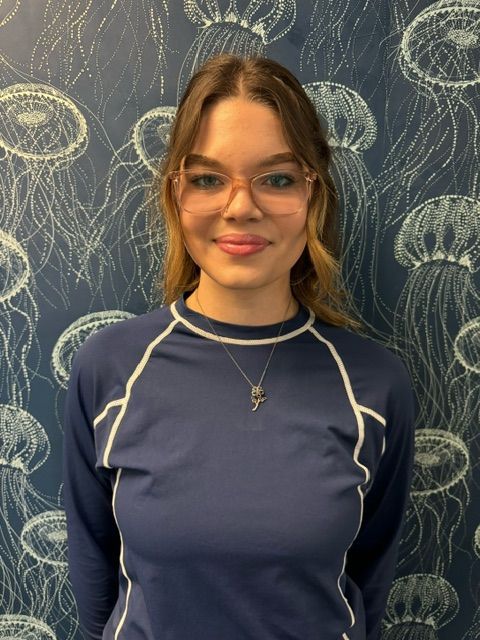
(356, 452)
(373, 413)
(242, 341)
(123, 617)
(123, 402)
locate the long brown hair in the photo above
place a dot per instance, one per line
(315, 278)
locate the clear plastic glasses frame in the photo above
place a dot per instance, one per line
(279, 192)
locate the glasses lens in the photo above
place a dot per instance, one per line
(280, 192)
(275, 192)
(203, 191)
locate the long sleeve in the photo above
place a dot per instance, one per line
(372, 557)
(93, 540)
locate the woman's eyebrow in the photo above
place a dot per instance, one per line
(277, 158)
(269, 161)
(205, 161)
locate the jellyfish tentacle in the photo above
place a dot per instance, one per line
(439, 498)
(351, 128)
(202, 16)
(131, 223)
(462, 383)
(9, 13)
(19, 314)
(14, 267)
(272, 25)
(473, 633)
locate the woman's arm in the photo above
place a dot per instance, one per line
(93, 539)
(372, 558)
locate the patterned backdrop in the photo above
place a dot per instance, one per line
(88, 90)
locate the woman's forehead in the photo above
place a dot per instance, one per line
(235, 128)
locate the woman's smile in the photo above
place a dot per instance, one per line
(242, 244)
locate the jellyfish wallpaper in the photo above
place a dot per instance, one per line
(88, 93)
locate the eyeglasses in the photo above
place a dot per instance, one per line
(281, 192)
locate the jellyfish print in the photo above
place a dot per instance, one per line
(440, 46)
(340, 35)
(351, 130)
(56, 53)
(45, 573)
(112, 51)
(70, 340)
(151, 134)
(136, 245)
(438, 244)
(24, 447)
(141, 29)
(18, 319)
(476, 542)
(46, 203)
(475, 568)
(473, 632)
(21, 627)
(463, 385)
(418, 606)
(467, 345)
(432, 128)
(8, 10)
(75, 335)
(230, 30)
(438, 501)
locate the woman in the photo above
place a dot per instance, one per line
(237, 461)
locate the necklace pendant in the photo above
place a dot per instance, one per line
(257, 396)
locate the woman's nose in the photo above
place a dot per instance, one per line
(241, 203)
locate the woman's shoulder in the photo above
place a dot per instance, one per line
(365, 355)
(122, 340)
(373, 373)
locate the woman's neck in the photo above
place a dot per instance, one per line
(246, 306)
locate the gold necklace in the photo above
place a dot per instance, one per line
(257, 394)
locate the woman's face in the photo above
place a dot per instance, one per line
(239, 138)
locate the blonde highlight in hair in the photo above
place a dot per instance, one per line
(315, 279)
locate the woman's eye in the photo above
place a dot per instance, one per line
(206, 180)
(279, 180)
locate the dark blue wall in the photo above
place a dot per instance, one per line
(87, 92)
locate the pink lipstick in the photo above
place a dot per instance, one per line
(242, 244)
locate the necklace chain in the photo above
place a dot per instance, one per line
(258, 393)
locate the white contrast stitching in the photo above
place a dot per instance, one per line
(128, 389)
(101, 416)
(358, 447)
(374, 414)
(212, 336)
(122, 558)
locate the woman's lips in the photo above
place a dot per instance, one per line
(242, 245)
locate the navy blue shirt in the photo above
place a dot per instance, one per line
(192, 517)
